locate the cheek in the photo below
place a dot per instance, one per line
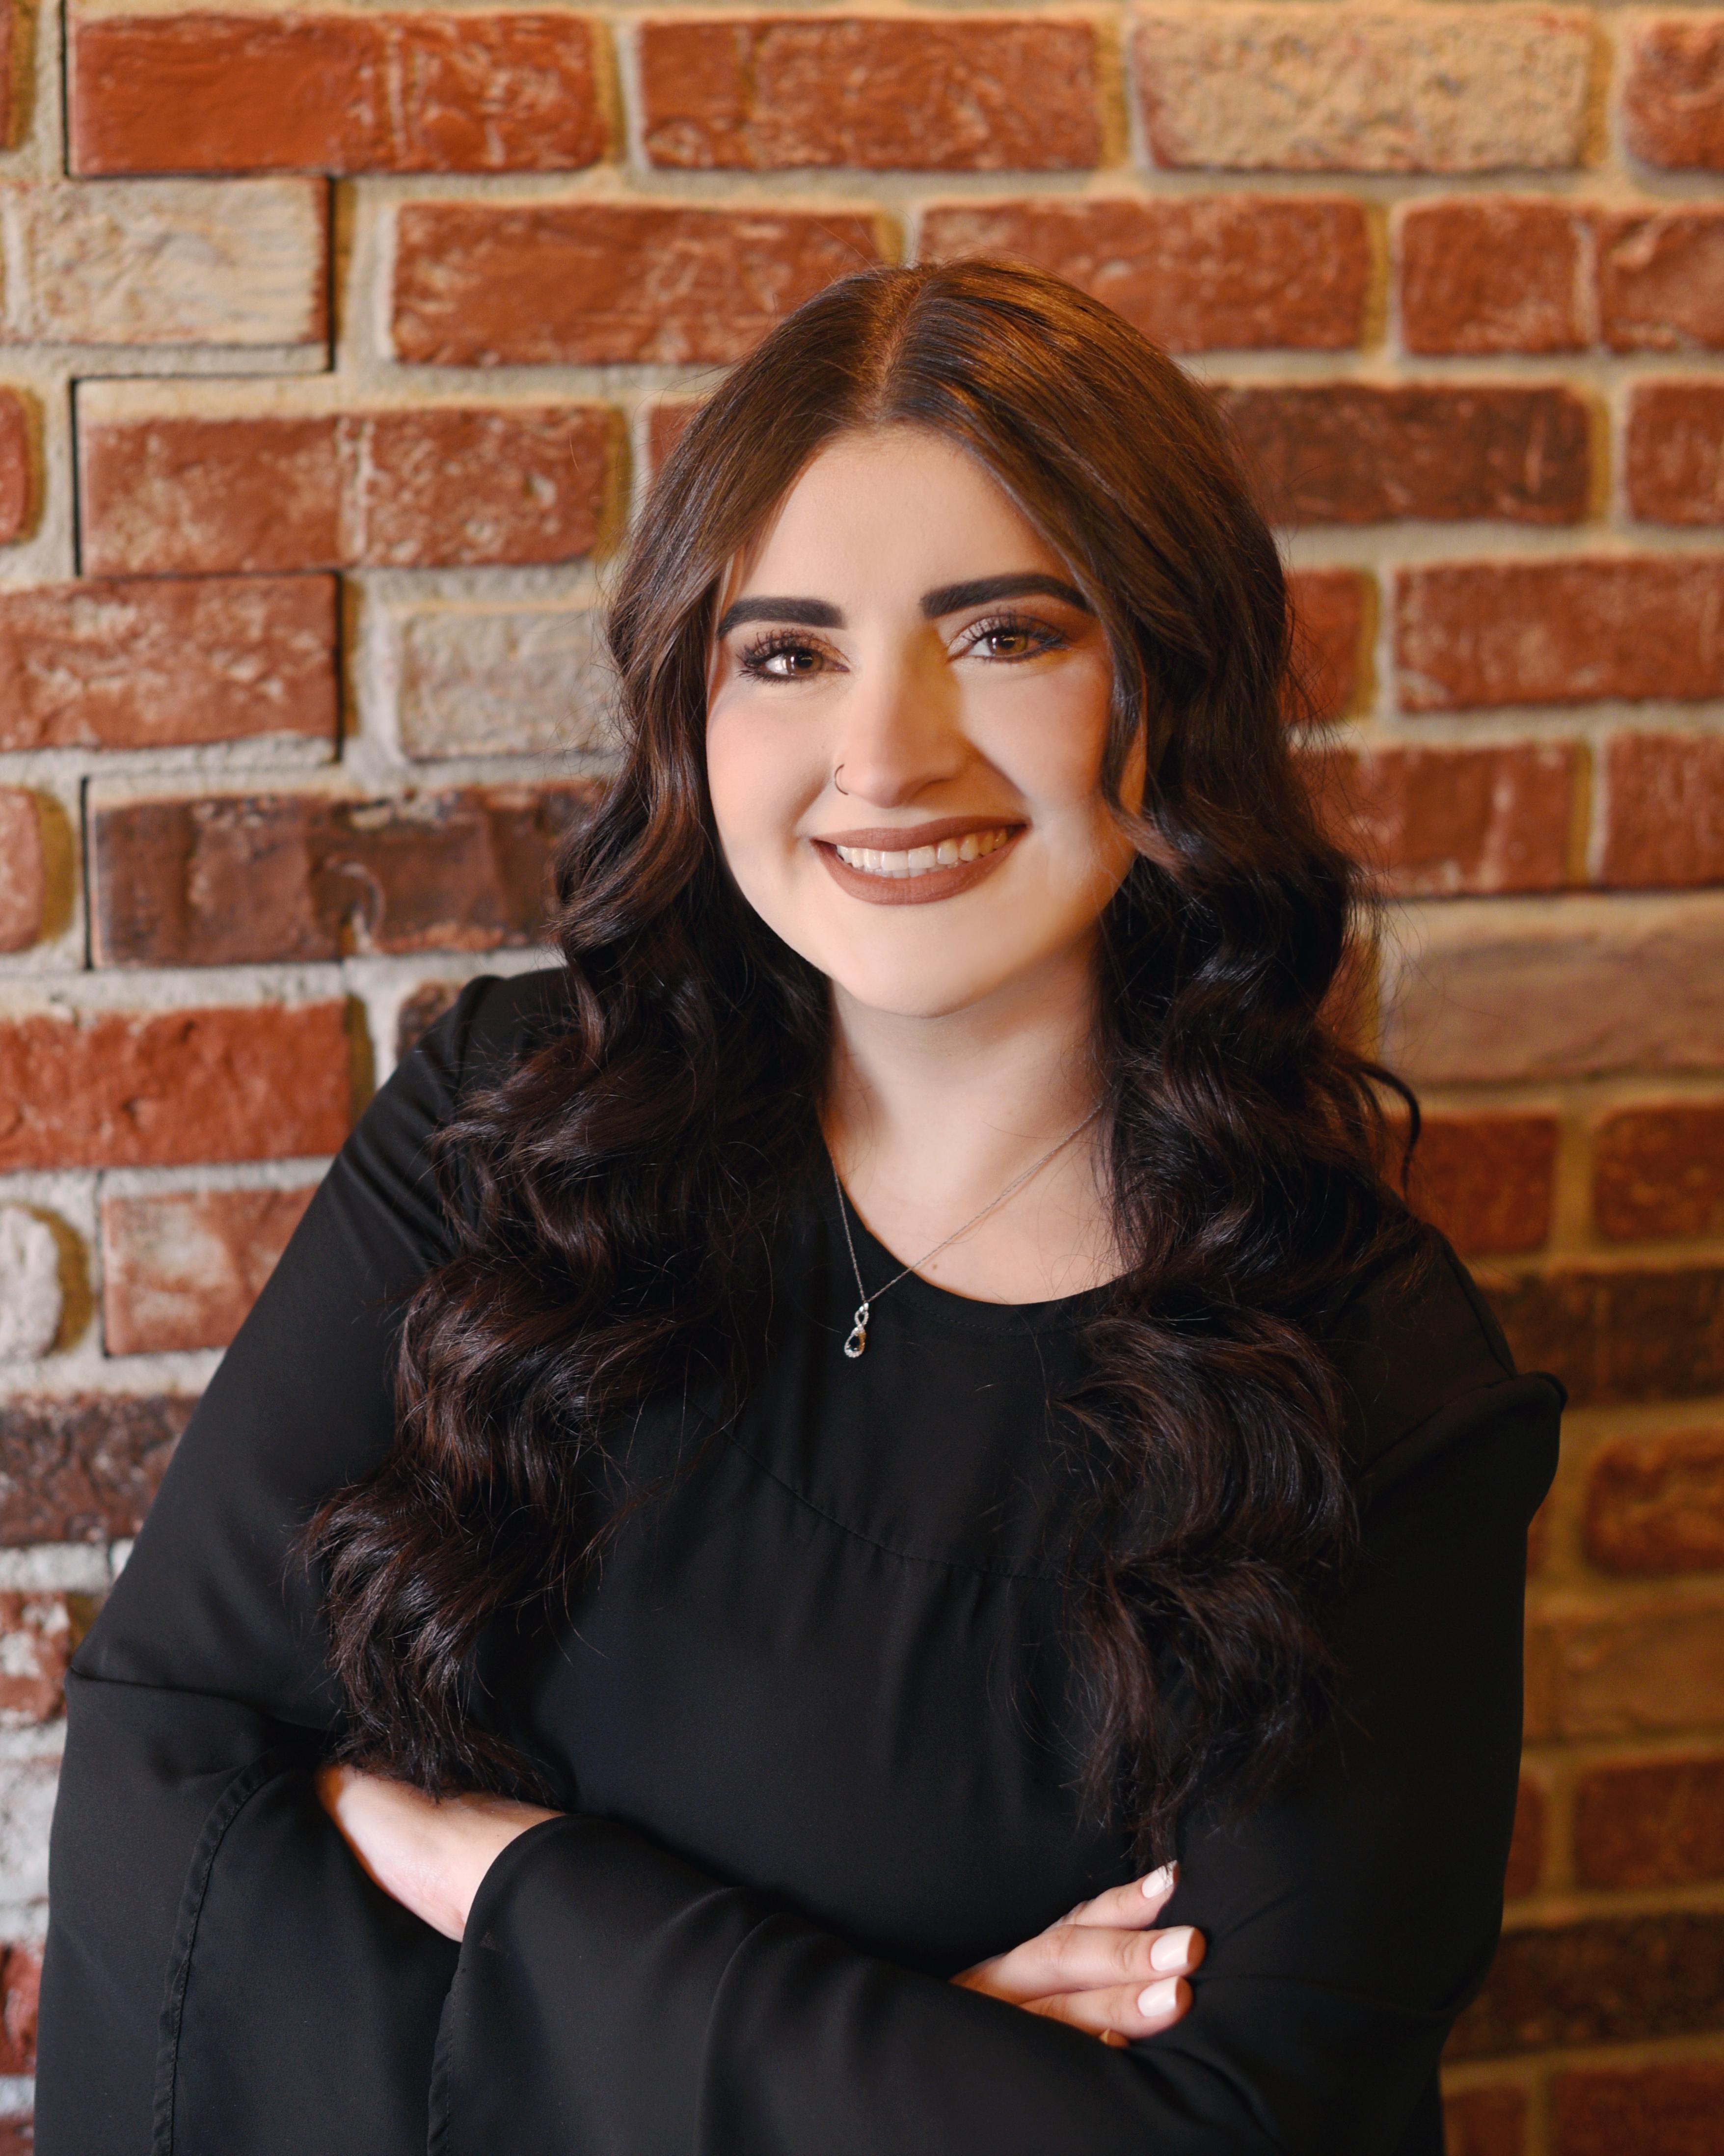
(761, 775)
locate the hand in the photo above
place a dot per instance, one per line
(429, 1856)
(1102, 1969)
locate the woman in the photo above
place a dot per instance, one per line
(905, 1498)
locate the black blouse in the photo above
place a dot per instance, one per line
(816, 1734)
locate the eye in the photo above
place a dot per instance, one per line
(782, 656)
(1009, 637)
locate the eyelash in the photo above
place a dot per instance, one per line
(777, 643)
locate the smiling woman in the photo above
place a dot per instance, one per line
(866, 1483)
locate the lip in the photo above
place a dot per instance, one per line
(933, 884)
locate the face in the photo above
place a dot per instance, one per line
(908, 709)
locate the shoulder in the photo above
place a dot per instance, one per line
(494, 1023)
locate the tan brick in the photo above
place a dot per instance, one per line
(1650, 1823)
(1438, 822)
(1498, 274)
(488, 284)
(1332, 621)
(1486, 2121)
(1194, 275)
(495, 680)
(964, 94)
(181, 1268)
(1654, 1502)
(410, 92)
(155, 262)
(1661, 279)
(23, 887)
(1598, 989)
(1603, 1980)
(1673, 96)
(83, 1469)
(1471, 634)
(1354, 453)
(155, 662)
(1659, 1171)
(1419, 88)
(1675, 2107)
(1486, 1181)
(1673, 453)
(130, 1089)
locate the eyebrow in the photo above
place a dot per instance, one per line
(807, 613)
(947, 598)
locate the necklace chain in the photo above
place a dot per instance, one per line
(857, 1342)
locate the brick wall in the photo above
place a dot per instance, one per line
(335, 344)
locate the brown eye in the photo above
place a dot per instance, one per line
(781, 658)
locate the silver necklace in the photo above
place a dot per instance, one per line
(855, 1346)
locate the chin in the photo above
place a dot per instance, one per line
(897, 986)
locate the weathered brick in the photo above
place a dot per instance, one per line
(1436, 822)
(666, 422)
(1645, 1673)
(1664, 810)
(181, 1268)
(1496, 274)
(83, 1470)
(1196, 274)
(9, 83)
(484, 681)
(20, 1984)
(153, 262)
(129, 1089)
(1525, 1856)
(17, 2135)
(1673, 453)
(1621, 1335)
(1673, 2108)
(1595, 987)
(1654, 1502)
(955, 95)
(1471, 634)
(1419, 88)
(1486, 1181)
(24, 888)
(1661, 279)
(1659, 1172)
(1485, 2121)
(1353, 452)
(494, 284)
(1604, 1981)
(412, 92)
(233, 880)
(420, 1011)
(422, 487)
(38, 1633)
(154, 662)
(1332, 621)
(17, 479)
(1673, 96)
(1651, 1823)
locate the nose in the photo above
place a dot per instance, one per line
(898, 733)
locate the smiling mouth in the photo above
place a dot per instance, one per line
(924, 860)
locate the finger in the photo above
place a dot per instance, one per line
(1127, 2012)
(1087, 1957)
(1133, 1907)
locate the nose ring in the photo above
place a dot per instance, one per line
(842, 788)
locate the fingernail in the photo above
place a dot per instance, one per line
(1172, 1949)
(1158, 1882)
(1160, 1998)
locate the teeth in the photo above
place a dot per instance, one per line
(919, 860)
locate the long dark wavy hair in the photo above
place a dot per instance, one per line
(613, 1195)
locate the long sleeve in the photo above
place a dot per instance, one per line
(610, 1996)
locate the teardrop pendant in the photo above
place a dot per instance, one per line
(858, 1334)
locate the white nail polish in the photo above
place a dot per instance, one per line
(1159, 1998)
(1158, 1882)
(1170, 1950)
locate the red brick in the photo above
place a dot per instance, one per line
(1349, 453)
(1476, 633)
(37, 1634)
(1525, 1856)
(18, 480)
(181, 1268)
(1620, 1335)
(1486, 2121)
(494, 284)
(129, 1089)
(1603, 1981)
(17, 2135)
(20, 1985)
(1655, 1503)
(1673, 455)
(9, 84)
(1673, 2108)
(1659, 1172)
(667, 422)
(425, 487)
(156, 662)
(83, 1470)
(420, 1011)
(1653, 1823)
(1437, 822)
(1486, 1181)
(1498, 273)
(1650, 1671)
(24, 884)
(1673, 98)
(234, 880)
(1333, 611)
(338, 93)
(781, 91)
(1661, 279)
(1664, 810)
(1194, 274)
